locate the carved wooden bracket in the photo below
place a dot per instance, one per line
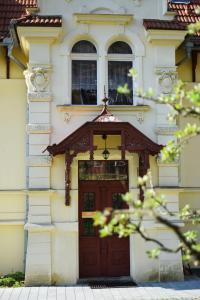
(143, 168)
(143, 163)
(68, 161)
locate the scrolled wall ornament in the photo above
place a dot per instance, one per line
(37, 78)
(166, 79)
(40, 79)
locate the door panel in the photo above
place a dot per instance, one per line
(118, 256)
(101, 256)
(89, 244)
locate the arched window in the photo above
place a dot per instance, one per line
(120, 59)
(84, 73)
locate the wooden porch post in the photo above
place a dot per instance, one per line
(143, 168)
(68, 161)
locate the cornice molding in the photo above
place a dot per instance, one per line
(112, 19)
(165, 37)
(40, 35)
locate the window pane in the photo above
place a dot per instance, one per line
(88, 227)
(103, 170)
(84, 82)
(117, 76)
(119, 48)
(88, 202)
(84, 47)
(117, 202)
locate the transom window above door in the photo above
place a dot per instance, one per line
(84, 73)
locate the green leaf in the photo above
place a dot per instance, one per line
(154, 253)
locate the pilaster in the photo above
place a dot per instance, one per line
(165, 79)
(39, 223)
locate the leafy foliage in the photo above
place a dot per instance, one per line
(12, 280)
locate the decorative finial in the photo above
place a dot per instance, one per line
(105, 99)
(104, 91)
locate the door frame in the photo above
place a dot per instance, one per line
(99, 183)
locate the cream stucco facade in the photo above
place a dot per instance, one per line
(39, 233)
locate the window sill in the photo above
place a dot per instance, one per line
(91, 108)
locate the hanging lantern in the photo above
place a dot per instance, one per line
(105, 152)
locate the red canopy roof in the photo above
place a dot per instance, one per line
(81, 140)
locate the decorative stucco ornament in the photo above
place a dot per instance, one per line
(37, 78)
(137, 2)
(67, 117)
(166, 79)
(140, 117)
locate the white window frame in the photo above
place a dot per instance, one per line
(122, 58)
(83, 56)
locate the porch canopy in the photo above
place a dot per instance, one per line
(81, 140)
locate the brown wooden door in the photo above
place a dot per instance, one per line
(101, 256)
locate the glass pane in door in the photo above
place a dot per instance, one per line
(88, 201)
(88, 227)
(103, 170)
(117, 201)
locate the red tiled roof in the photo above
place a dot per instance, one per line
(13, 9)
(39, 20)
(163, 24)
(185, 14)
(17, 9)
